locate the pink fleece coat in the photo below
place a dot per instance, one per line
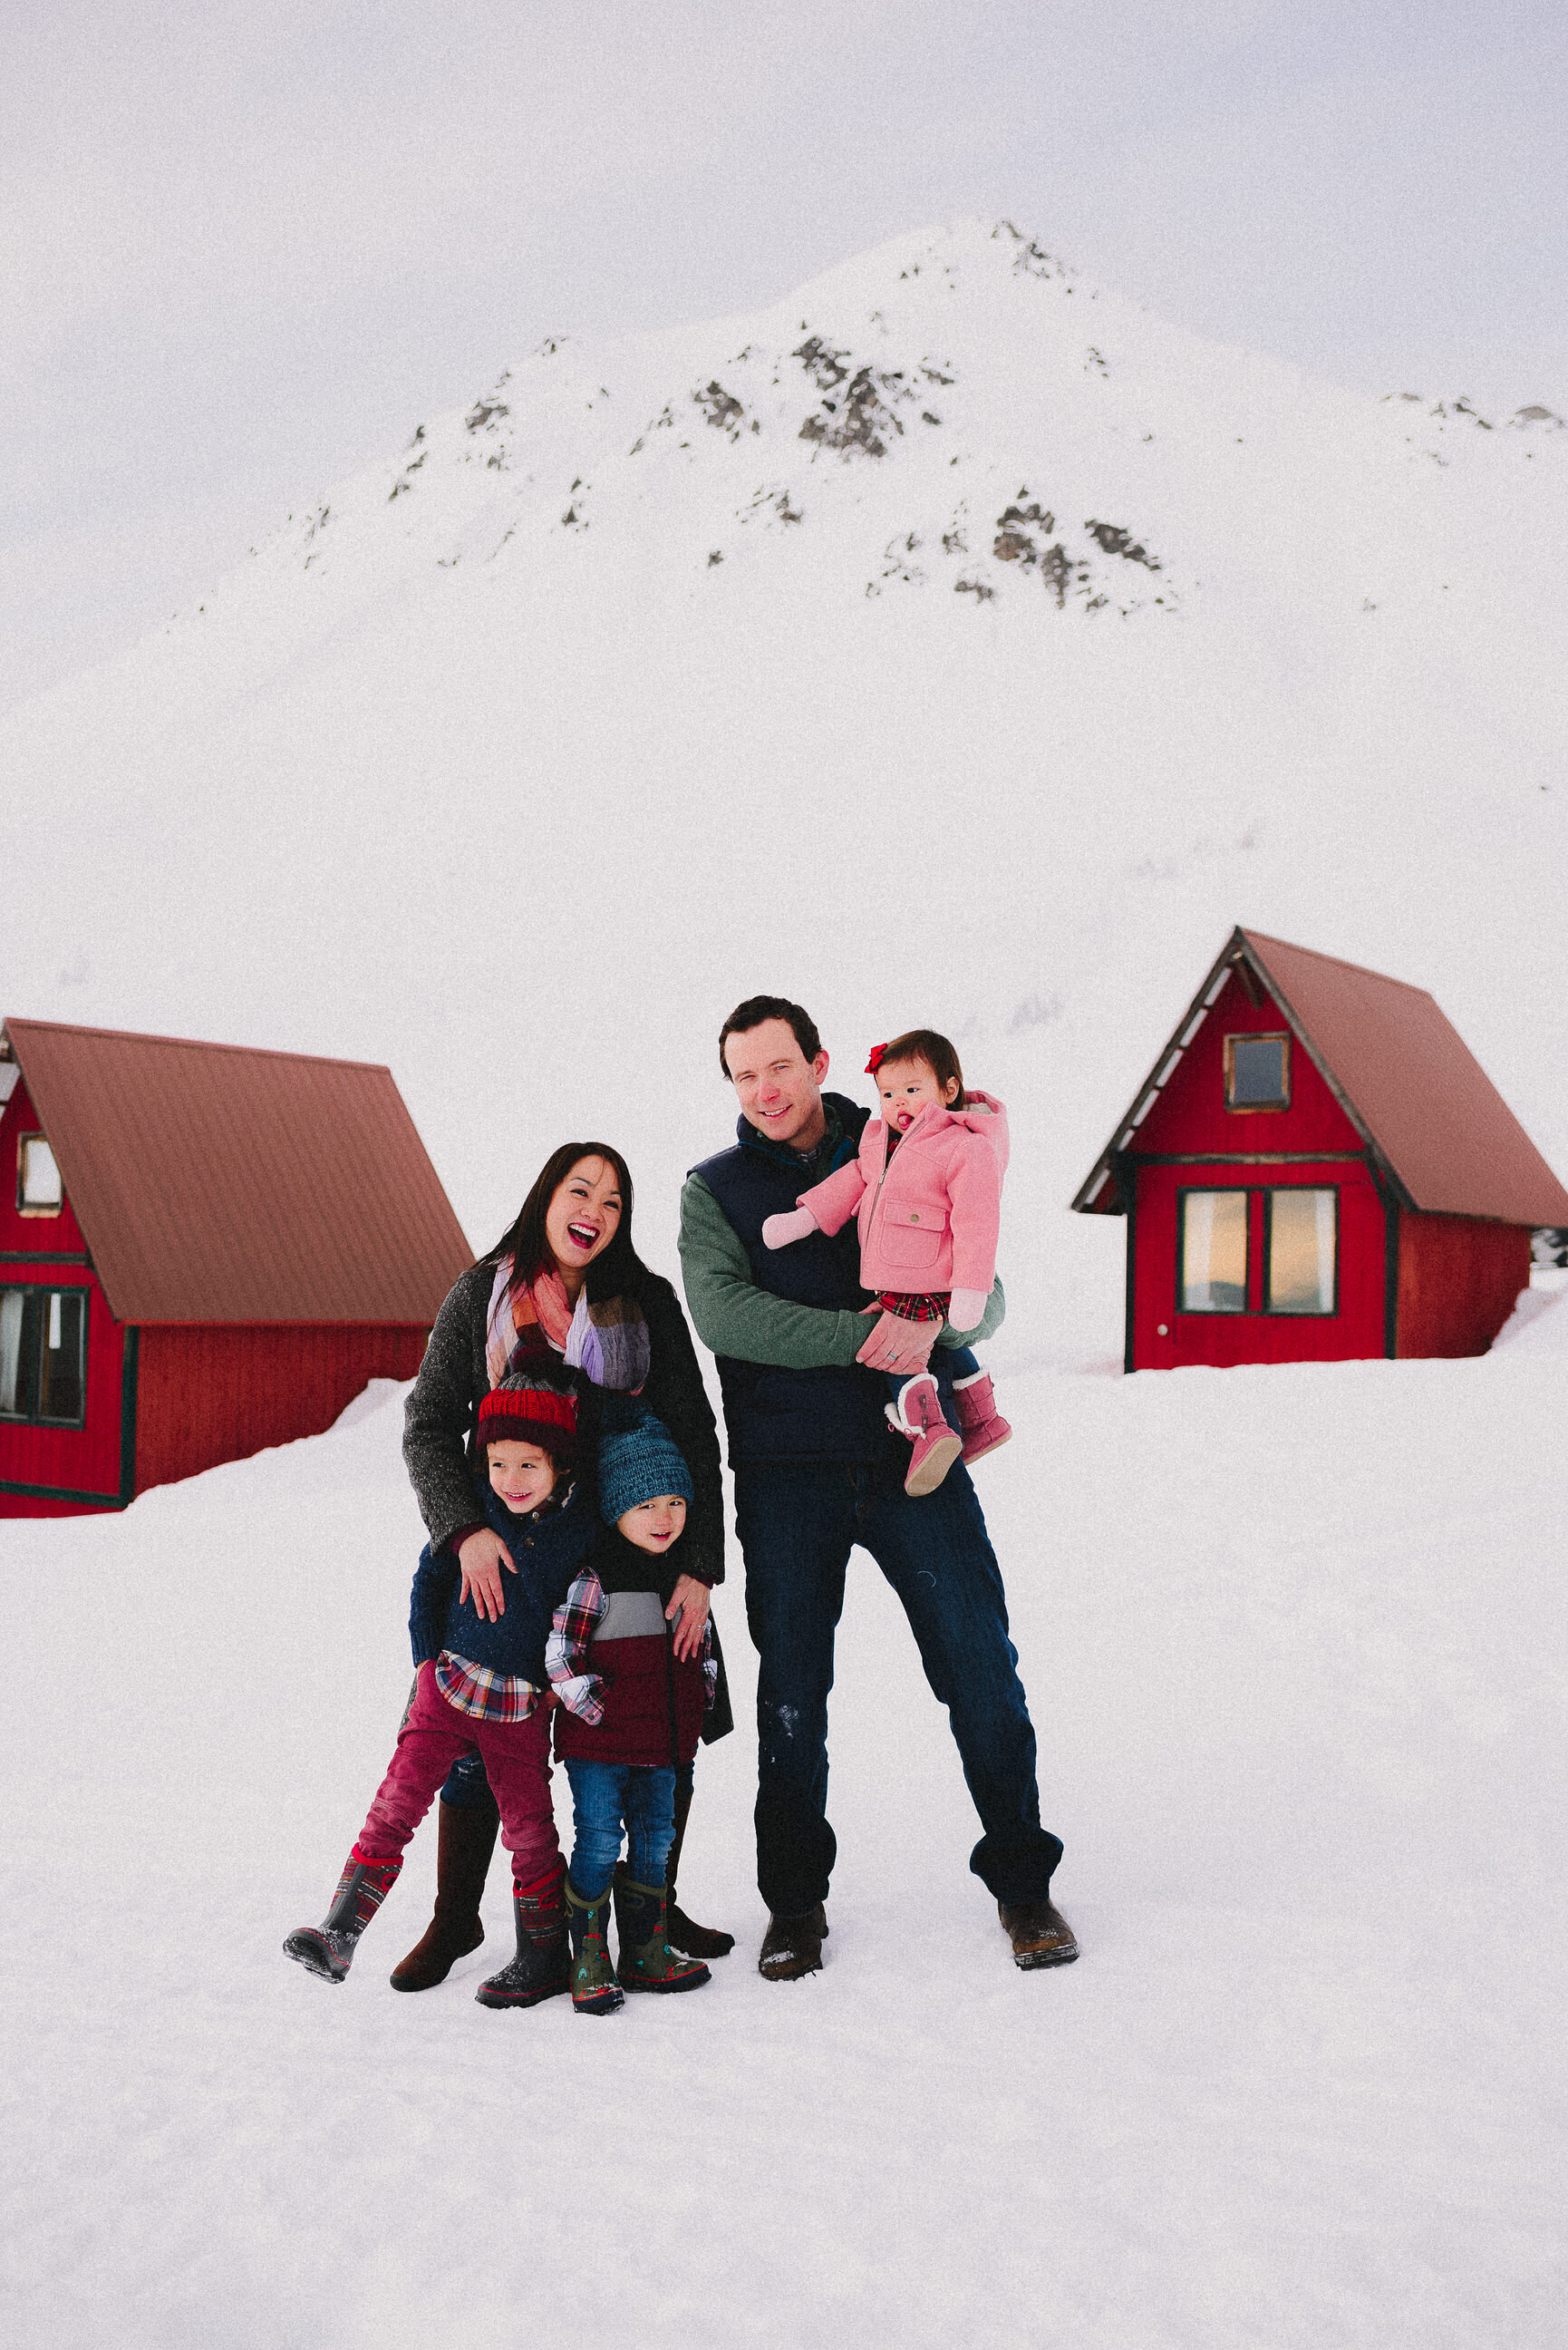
(929, 1218)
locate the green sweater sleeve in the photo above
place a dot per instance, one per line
(733, 1317)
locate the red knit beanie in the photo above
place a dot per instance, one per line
(530, 1407)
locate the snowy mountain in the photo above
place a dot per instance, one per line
(951, 641)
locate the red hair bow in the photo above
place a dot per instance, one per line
(875, 1063)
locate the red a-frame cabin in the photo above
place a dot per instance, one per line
(204, 1250)
(1317, 1168)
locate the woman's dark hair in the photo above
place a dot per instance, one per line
(938, 1054)
(618, 1271)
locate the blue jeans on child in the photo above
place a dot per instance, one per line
(959, 1362)
(603, 1796)
(468, 1790)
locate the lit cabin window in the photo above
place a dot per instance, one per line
(1302, 1251)
(1257, 1073)
(39, 1192)
(16, 1393)
(1213, 1251)
(43, 1354)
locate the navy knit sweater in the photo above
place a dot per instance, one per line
(545, 1549)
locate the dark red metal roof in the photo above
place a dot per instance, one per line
(218, 1183)
(1431, 1118)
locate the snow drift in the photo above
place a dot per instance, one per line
(953, 642)
(1300, 1705)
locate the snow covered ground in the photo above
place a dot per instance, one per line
(515, 764)
(1294, 1642)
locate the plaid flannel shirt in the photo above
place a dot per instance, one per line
(477, 1691)
(566, 1651)
(485, 1695)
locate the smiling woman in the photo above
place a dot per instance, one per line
(565, 1271)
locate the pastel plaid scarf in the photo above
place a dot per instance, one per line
(608, 1342)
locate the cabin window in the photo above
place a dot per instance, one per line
(1301, 1251)
(1257, 1073)
(39, 1192)
(1213, 1234)
(43, 1354)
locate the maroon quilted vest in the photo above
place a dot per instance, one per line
(653, 1702)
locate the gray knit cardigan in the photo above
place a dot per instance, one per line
(439, 1414)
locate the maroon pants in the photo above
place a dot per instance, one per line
(516, 1763)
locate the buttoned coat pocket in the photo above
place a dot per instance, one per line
(911, 1238)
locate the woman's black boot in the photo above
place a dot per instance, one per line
(682, 1932)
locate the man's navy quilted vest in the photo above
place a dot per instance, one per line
(831, 1413)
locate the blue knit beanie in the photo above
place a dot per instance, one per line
(637, 1465)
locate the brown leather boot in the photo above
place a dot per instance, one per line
(1041, 1936)
(465, 1841)
(792, 1947)
(682, 1932)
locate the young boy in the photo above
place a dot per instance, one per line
(482, 1683)
(631, 1711)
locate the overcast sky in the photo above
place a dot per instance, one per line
(246, 247)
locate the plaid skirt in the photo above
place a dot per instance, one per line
(913, 1308)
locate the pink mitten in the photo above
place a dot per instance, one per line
(779, 1231)
(965, 1307)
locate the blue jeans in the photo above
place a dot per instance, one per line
(797, 1521)
(603, 1794)
(468, 1790)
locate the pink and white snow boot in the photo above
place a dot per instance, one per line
(917, 1414)
(981, 1425)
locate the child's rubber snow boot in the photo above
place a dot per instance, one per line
(328, 1949)
(594, 1991)
(645, 1961)
(464, 1842)
(917, 1414)
(543, 1966)
(981, 1425)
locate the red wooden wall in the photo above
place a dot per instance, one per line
(1190, 1114)
(1457, 1277)
(208, 1394)
(81, 1464)
(193, 1396)
(1224, 1339)
(1195, 1143)
(60, 1234)
(1460, 1280)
